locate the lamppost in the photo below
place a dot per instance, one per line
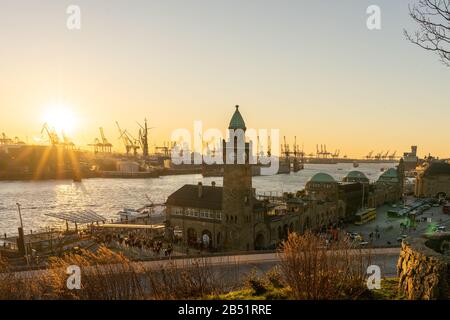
(23, 232)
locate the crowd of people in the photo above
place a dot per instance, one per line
(134, 239)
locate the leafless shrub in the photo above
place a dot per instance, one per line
(189, 279)
(110, 276)
(314, 270)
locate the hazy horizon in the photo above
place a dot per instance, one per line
(311, 69)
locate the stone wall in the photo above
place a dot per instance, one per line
(424, 267)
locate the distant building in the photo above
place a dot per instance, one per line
(127, 166)
(389, 187)
(322, 186)
(356, 176)
(411, 160)
(433, 179)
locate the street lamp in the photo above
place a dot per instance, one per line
(21, 226)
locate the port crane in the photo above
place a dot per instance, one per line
(5, 140)
(107, 146)
(369, 155)
(297, 151)
(166, 149)
(297, 166)
(322, 152)
(128, 141)
(384, 156)
(336, 154)
(259, 148)
(392, 156)
(102, 145)
(143, 137)
(133, 142)
(378, 155)
(97, 145)
(67, 141)
(285, 148)
(53, 137)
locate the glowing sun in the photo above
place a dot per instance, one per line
(60, 117)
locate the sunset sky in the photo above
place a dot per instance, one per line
(309, 68)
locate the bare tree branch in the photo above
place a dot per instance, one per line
(433, 34)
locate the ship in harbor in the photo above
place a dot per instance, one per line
(142, 214)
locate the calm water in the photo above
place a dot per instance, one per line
(108, 196)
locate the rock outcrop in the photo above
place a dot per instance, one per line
(424, 267)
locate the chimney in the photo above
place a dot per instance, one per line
(213, 184)
(200, 189)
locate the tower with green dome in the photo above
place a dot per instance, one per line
(238, 195)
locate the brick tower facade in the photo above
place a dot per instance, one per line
(238, 194)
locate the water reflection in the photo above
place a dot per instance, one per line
(108, 196)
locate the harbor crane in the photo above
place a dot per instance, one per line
(392, 156)
(323, 151)
(297, 152)
(97, 145)
(318, 153)
(378, 155)
(336, 154)
(107, 146)
(384, 156)
(103, 145)
(259, 148)
(53, 137)
(143, 137)
(128, 141)
(298, 165)
(285, 148)
(67, 142)
(369, 155)
(5, 140)
(166, 149)
(133, 142)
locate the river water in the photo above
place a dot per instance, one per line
(108, 196)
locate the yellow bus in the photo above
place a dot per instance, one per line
(365, 216)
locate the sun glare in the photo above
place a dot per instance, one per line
(60, 117)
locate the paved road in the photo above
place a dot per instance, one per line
(234, 269)
(385, 258)
(390, 230)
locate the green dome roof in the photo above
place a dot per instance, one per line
(237, 122)
(356, 175)
(322, 177)
(390, 173)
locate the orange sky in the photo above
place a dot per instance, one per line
(334, 83)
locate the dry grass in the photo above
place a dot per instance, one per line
(315, 271)
(110, 276)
